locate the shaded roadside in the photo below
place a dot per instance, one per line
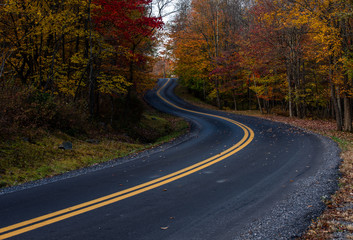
(37, 154)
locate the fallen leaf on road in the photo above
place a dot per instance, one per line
(164, 228)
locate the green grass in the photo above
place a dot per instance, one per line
(343, 143)
(23, 161)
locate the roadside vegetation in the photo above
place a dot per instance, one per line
(336, 222)
(33, 153)
(75, 72)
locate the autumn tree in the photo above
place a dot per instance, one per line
(295, 55)
(203, 34)
(328, 24)
(83, 52)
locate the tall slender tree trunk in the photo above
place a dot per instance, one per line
(334, 99)
(112, 110)
(4, 59)
(347, 84)
(296, 103)
(216, 54)
(257, 96)
(91, 79)
(290, 108)
(339, 103)
(234, 100)
(347, 114)
(204, 89)
(335, 105)
(50, 76)
(41, 81)
(218, 95)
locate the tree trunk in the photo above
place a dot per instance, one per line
(289, 81)
(297, 107)
(234, 100)
(91, 78)
(334, 99)
(347, 85)
(335, 105)
(218, 95)
(49, 83)
(339, 103)
(347, 114)
(290, 101)
(204, 89)
(112, 108)
(257, 96)
(4, 59)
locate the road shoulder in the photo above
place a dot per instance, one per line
(328, 209)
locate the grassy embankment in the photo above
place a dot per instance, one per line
(337, 220)
(35, 154)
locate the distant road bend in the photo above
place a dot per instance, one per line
(231, 177)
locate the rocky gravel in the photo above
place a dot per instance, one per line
(292, 216)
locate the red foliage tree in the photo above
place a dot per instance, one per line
(127, 24)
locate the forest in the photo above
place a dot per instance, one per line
(76, 71)
(73, 75)
(288, 57)
(66, 61)
(93, 59)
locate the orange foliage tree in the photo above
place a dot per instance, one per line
(291, 56)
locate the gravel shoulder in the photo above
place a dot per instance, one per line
(304, 202)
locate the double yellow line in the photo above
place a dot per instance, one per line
(60, 215)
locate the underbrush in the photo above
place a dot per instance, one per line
(33, 125)
(24, 160)
(24, 110)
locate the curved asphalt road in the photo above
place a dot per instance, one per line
(248, 179)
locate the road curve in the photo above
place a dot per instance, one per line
(232, 177)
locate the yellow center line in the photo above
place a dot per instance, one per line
(60, 215)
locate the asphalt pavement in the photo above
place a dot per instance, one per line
(230, 177)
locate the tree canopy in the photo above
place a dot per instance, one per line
(283, 56)
(95, 51)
